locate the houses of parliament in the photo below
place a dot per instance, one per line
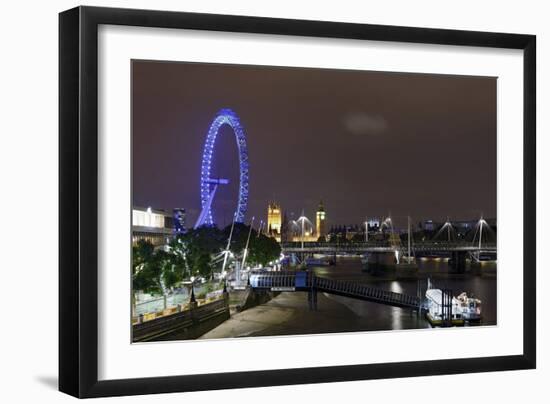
(285, 229)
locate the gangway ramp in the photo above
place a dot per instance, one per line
(308, 282)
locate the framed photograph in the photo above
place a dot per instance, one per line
(252, 201)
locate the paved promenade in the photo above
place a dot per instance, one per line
(288, 314)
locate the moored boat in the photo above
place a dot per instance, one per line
(469, 307)
(443, 309)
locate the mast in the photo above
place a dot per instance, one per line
(366, 229)
(228, 244)
(480, 234)
(247, 241)
(409, 237)
(303, 220)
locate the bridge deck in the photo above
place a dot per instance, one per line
(419, 247)
(305, 281)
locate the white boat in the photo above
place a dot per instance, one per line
(469, 307)
(434, 300)
(463, 308)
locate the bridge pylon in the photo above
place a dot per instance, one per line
(312, 294)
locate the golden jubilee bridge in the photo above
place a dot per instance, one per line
(445, 242)
(385, 247)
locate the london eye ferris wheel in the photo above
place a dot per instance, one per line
(209, 185)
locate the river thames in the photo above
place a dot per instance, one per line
(288, 313)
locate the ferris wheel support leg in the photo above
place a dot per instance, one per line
(206, 209)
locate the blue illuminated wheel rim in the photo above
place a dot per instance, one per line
(225, 117)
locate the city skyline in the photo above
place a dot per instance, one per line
(365, 143)
(175, 215)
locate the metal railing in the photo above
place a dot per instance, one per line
(288, 280)
(152, 329)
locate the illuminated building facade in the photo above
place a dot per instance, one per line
(320, 221)
(153, 225)
(274, 220)
(374, 223)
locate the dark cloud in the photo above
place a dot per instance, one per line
(362, 123)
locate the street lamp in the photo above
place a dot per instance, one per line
(192, 300)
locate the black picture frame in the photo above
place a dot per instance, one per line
(78, 206)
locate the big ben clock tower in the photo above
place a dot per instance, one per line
(320, 222)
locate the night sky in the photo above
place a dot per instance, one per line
(366, 143)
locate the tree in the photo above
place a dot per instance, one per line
(239, 237)
(172, 269)
(178, 253)
(199, 245)
(263, 250)
(157, 271)
(142, 254)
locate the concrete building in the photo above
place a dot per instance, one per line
(153, 225)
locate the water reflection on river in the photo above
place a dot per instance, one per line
(482, 285)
